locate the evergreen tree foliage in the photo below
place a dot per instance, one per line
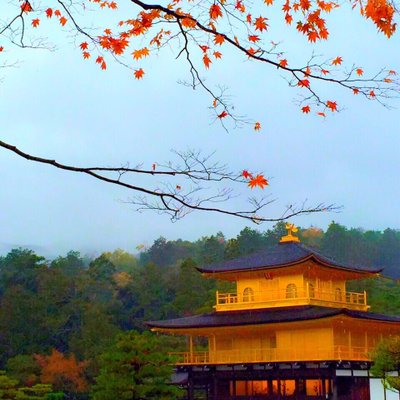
(386, 358)
(135, 368)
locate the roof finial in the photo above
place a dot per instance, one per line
(291, 228)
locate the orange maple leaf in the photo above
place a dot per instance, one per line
(86, 55)
(254, 38)
(139, 73)
(259, 181)
(246, 174)
(303, 83)
(35, 22)
(324, 71)
(240, 6)
(188, 22)
(356, 91)
(217, 54)
(388, 80)
(257, 126)
(138, 54)
(57, 13)
(63, 21)
(260, 24)
(178, 187)
(206, 61)
(391, 72)
(306, 109)
(100, 60)
(222, 115)
(84, 46)
(1, 48)
(337, 61)
(321, 114)
(359, 71)
(283, 63)
(331, 105)
(313, 36)
(26, 7)
(372, 93)
(219, 39)
(215, 11)
(49, 12)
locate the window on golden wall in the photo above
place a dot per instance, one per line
(248, 294)
(291, 291)
(311, 290)
(338, 294)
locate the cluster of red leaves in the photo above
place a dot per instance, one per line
(310, 22)
(382, 13)
(255, 181)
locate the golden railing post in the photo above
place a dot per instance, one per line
(365, 298)
(216, 298)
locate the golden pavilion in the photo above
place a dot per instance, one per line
(290, 330)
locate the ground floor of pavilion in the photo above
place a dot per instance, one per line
(273, 381)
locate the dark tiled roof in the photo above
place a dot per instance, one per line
(265, 316)
(280, 255)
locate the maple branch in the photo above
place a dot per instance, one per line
(174, 200)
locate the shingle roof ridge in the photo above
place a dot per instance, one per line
(274, 256)
(265, 316)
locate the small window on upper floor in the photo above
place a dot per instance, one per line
(338, 294)
(248, 294)
(291, 291)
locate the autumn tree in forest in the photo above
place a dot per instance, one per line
(64, 373)
(200, 33)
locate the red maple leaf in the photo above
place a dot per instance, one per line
(331, 105)
(260, 24)
(246, 174)
(215, 11)
(139, 73)
(259, 181)
(337, 61)
(35, 22)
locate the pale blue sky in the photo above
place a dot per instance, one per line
(56, 105)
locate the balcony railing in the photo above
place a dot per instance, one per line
(279, 298)
(334, 353)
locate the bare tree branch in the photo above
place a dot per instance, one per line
(174, 199)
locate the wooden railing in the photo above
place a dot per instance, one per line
(335, 353)
(279, 298)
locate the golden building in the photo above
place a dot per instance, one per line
(290, 330)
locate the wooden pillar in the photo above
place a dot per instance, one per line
(191, 348)
(334, 388)
(190, 391)
(215, 387)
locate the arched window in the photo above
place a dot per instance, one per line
(338, 294)
(248, 294)
(291, 291)
(311, 290)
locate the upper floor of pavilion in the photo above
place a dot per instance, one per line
(287, 274)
